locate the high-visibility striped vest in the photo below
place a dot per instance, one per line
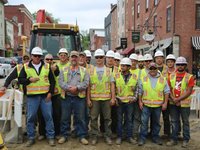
(184, 84)
(143, 73)
(57, 89)
(82, 94)
(125, 91)
(153, 97)
(117, 69)
(100, 90)
(41, 86)
(135, 71)
(19, 68)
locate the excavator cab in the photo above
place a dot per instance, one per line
(51, 37)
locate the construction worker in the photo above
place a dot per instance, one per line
(83, 63)
(159, 59)
(147, 60)
(15, 73)
(125, 83)
(181, 84)
(88, 56)
(101, 96)
(63, 58)
(56, 103)
(117, 59)
(134, 60)
(170, 62)
(140, 62)
(153, 98)
(136, 110)
(73, 81)
(39, 81)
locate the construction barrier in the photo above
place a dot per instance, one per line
(195, 103)
(18, 102)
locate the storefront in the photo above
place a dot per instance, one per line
(196, 55)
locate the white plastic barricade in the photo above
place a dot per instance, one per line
(5, 105)
(195, 103)
(18, 99)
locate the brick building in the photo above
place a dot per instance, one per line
(174, 23)
(97, 38)
(114, 29)
(2, 28)
(21, 15)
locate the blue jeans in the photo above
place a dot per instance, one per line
(148, 112)
(125, 113)
(75, 105)
(33, 103)
(175, 113)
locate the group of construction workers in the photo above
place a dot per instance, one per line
(125, 96)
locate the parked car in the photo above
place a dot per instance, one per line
(5, 67)
(11, 60)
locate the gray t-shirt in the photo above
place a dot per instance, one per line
(100, 71)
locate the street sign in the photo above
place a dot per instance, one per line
(136, 36)
(123, 43)
(148, 37)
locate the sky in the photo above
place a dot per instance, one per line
(88, 13)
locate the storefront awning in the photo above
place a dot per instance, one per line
(166, 43)
(196, 42)
(127, 51)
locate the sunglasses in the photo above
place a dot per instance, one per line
(147, 60)
(37, 56)
(117, 60)
(49, 59)
(26, 59)
(180, 64)
(63, 55)
(99, 57)
(152, 68)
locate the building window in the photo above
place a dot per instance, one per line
(147, 5)
(156, 2)
(138, 10)
(168, 19)
(198, 16)
(155, 23)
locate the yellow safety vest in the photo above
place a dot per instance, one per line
(100, 90)
(41, 86)
(19, 68)
(184, 84)
(143, 73)
(153, 97)
(57, 89)
(125, 91)
(82, 94)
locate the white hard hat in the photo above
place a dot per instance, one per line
(126, 61)
(140, 58)
(181, 60)
(117, 56)
(148, 57)
(133, 56)
(159, 53)
(99, 52)
(171, 56)
(88, 53)
(63, 50)
(36, 51)
(110, 53)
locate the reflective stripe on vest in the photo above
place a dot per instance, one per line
(184, 83)
(82, 94)
(125, 91)
(41, 86)
(153, 97)
(100, 90)
(19, 68)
